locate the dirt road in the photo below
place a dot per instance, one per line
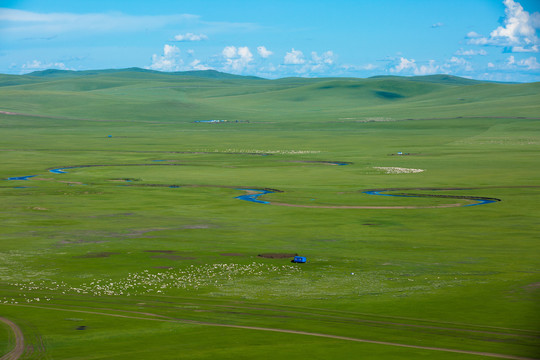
(18, 350)
(156, 317)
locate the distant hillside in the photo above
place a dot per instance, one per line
(438, 79)
(208, 74)
(148, 95)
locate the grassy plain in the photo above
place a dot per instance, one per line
(149, 254)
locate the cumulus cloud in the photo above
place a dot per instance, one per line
(327, 57)
(428, 69)
(368, 67)
(197, 65)
(190, 37)
(473, 34)
(295, 57)
(457, 64)
(263, 52)
(471, 52)
(237, 59)
(437, 25)
(528, 64)
(517, 32)
(229, 52)
(295, 62)
(169, 61)
(409, 66)
(530, 48)
(404, 65)
(38, 65)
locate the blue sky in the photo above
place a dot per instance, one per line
(482, 39)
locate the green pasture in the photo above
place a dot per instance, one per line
(142, 250)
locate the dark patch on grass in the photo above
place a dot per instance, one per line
(111, 215)
(202, 226)
(277, 255)
(82, 327)
(173, 257)
(102, 254)
(80, 241)
(388, 95)
(125, 179)
(298, 98)
(532, 287)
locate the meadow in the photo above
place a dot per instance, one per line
(139, 247)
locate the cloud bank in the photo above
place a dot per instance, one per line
(518, 32)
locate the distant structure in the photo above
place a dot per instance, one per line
(210, 121)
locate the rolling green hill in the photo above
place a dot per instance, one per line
(131, 229)
(197, 95)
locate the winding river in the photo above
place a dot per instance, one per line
(253, 195)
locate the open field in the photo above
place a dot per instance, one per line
(139, 243)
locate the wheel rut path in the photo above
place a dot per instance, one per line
(18, 350)
(156, 317)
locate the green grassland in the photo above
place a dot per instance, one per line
(142, 250)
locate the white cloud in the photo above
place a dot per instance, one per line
(473, 34)
(317, 64)
(410, 66)
(532, 48)
(190, 37)
(490, 65)
(459, 64)
(437, 25)
(511, 60)
(431, 68)
(404, 65)
(295, 57)
(367, 67)
(264, 52)
(172, 60)
(38, 65)
(531, 63)
(518, 24)
(471, 52)
(229, 51)
(20, 22)
(327, 57)
(197, 65)
(237, 59)
(244, 53)
(518, 31)
(169, 61)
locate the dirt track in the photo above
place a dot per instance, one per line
(157, 317)
(18, 350)
(366, 207)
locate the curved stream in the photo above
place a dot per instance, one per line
(480, 200)
(254, 194)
